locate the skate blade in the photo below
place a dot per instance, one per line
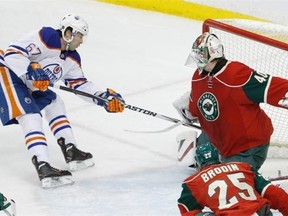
(78, 165)
(54, 182)
(11, 210)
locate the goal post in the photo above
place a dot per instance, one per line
(264, 47)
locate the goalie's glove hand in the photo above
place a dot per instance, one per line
(113, 101)
(182, 107)
(37, 74)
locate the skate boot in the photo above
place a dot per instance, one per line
(75, 158)
(51, 177)
(7, 205)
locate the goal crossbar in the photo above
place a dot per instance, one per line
(244, 33)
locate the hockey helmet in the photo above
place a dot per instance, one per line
(77, 24)
(206, 154)
(205, 49)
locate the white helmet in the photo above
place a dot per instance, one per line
(205, 49)
(76, 23)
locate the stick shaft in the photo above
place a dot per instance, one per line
(127, 106)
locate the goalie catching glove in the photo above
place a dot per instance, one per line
(182, 107)
(37, 74)
(112, 101)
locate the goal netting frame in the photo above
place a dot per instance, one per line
(263, 46)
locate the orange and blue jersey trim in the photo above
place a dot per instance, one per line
(75, 83)
(15, 98)
(13, 103)
(50, 38)
(13, 50)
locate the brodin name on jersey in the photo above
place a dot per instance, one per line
(213, 172)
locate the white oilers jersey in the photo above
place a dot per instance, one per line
(2, 58)
(44, 47)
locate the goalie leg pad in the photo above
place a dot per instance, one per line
(186, 147)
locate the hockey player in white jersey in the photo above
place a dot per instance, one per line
(30, 65)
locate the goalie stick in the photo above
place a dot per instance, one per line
(280, 181)
(278, 178)
(128, 106)
(159, 131)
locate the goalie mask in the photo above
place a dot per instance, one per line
(206, 154)
(205, 49)
(76, 23)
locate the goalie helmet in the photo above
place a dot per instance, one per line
(205, 49)
(206, 154)
(76, 23)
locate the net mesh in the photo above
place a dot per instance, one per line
(264, 58)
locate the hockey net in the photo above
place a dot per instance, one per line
(262, 46)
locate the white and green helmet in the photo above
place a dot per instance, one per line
(205, 49)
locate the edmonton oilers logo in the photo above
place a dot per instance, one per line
(208, 106)
(57, 70)
(54, 71)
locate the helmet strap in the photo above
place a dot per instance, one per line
(68, 41)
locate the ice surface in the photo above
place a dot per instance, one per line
(141, 54)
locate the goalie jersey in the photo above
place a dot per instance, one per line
(227, 105)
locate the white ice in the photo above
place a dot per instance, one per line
(141, 54)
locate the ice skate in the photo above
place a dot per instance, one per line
(75, 158)
(51, 177)
(7, 205)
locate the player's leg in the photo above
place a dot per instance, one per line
(202, 139)
(36, 143)
(62, 130)
(18, 106)
(186, 148)
(254, 156)
(264, 211)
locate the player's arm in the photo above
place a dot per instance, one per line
(16, 58)
(276, 195)
(257, 81)
(113, 101)
(22, 52)
(187, 203)
(277, 94)
(268, 89)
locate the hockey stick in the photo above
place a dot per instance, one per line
(158, 131)
(127, 106)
